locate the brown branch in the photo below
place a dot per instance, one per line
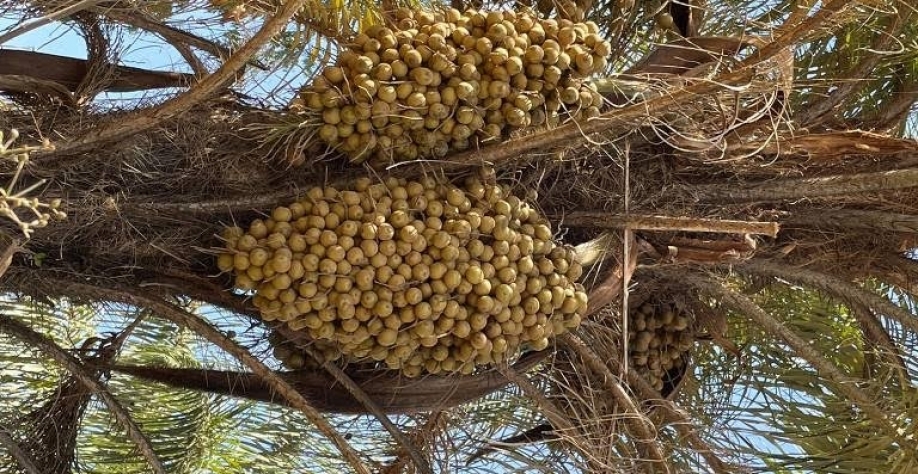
(667, 223)
(574, 134)
(318, 18)
(223, 205)
(71, 72)
(842, 289)
(19, 455)
(678, 57)
(537, 434)
(680, 419)
(834, 144)
(686, 16)
(87, 379)
(145, 119)
(844, 384)
(744, 246)
(200, 70)
(612, 288)
(101, 72)
(716, 324)
(891, 115)
(31, 85)
(393, 393)
(641, 427)
(700, 256)
(6, 257)
(433, 424)
(797, 14)
(420, 462)
(201, 327)
(784, 189)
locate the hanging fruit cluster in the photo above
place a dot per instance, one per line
(659, 337)
(442, 81)
(294, 358)
(422, 276)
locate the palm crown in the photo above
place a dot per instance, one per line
(743, 206)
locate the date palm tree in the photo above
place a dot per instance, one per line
(753, 168)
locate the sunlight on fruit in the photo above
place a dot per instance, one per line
(423, 276)
(446, 81)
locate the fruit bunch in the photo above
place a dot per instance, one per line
(659, 337)
(443, 81)
(423, 276)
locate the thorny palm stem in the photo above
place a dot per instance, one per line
(838, 287)
(789, 189)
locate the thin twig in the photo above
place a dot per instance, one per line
(23, 459)
(24, 333)
(172, 34)
(192, 59)
(641, 427)
(680, 419)
(147, 118)
(668, 223)
(555, 416)
(53, 16)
